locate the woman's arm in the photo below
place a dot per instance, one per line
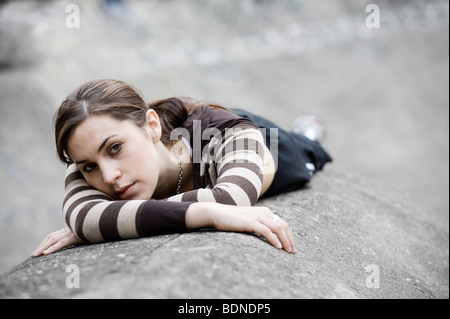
(94, 217)
(259, 220)
(234, 170)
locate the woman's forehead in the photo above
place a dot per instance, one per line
(92, 132)
(98, 125)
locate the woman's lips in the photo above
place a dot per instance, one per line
(125, 192)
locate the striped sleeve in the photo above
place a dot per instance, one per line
(234, 170)
(95, 217)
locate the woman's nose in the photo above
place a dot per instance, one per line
(110, 174)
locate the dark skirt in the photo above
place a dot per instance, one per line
(297, 158)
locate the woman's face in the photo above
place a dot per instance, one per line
(118, 158)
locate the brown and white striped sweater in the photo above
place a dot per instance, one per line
(228, 171)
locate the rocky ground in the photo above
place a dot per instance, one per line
(383, 92)
(361, 241)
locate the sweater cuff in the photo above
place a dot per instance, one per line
(161, 217)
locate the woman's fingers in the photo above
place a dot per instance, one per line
(286, 236)
(56, 241)
(272, 228)
(50, 240)
(63, 243)
(281, 229)
(291, 240)
(277, 232)
(265, 232)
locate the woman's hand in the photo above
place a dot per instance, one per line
(56, 241)
(259, 220)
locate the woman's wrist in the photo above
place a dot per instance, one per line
(198, 216)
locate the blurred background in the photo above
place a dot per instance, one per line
(383, 91)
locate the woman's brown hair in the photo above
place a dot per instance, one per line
(121, 102)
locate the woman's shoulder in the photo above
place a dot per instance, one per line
(220, 119)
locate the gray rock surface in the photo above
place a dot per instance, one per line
(354, 239)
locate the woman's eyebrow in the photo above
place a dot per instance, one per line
(99, 149)
(104, 143)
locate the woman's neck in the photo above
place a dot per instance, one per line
(170, 171)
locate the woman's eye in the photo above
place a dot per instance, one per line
(115, 149)
(88, 168)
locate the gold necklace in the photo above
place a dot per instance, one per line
(180, 177)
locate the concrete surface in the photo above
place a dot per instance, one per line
(354, 239)
(383, 92)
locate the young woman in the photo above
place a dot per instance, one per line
(175, 165)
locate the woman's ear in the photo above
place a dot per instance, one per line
(153, 125)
